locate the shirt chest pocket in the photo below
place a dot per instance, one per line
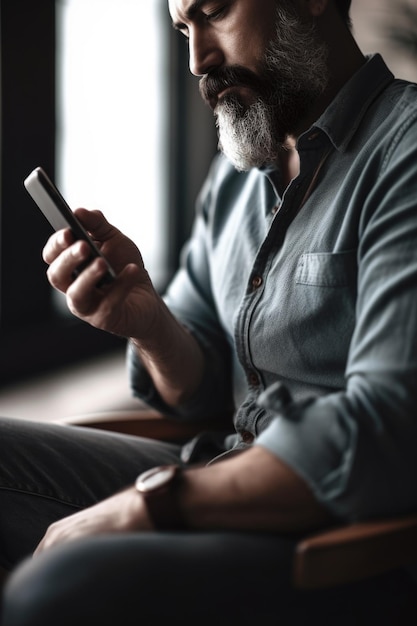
(302, 326)
(308, 319)
(325, 269)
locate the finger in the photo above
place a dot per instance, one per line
(88, 290)
(57, 243)
(39, 548)
(95, 223)
(104, 308)
(65, 267)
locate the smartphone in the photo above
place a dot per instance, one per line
(59, 214)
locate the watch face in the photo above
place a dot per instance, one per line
(155, 478)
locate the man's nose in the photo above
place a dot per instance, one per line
(205, 53)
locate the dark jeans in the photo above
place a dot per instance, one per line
(48, 471)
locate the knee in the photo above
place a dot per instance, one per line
(42, 591)
(22, 596)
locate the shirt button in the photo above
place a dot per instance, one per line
(247, 437)
(253, 379)
(256, 282)
(276, 208)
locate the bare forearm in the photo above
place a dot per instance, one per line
(252, 491)
(172, 357)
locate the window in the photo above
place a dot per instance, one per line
(40, 112)
(112, 148)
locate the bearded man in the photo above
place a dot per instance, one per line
(294, 309)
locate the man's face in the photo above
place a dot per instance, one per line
(262, 66)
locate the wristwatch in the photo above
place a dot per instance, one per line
(159, 487)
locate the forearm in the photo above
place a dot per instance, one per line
(251, 491)
(172, 357)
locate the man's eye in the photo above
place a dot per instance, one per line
(183, 30)
(216, 14)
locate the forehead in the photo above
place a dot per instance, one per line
(184, 10)
(180, 9)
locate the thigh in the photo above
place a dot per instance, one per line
(48, 471)
(152, 578)
(222, 578)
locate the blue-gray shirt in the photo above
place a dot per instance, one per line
(315, 285)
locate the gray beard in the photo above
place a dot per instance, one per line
(296, 62)
(247, 140)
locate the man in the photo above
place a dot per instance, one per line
(295, 307)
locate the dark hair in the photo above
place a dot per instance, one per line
(343, 8)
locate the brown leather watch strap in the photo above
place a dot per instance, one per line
(159, 488)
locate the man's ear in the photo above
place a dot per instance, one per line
(316, 8)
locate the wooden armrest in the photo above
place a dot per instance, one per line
(145, 422)
(355, 552)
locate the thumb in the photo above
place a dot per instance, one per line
(96, 224)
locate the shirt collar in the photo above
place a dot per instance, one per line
(343, 116)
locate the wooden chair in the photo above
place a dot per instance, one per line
(325, 559)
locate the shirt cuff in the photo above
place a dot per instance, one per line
(355, 469)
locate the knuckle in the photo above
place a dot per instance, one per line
(99, 213)
(79, 302)
(52, 276)
(50, 251)
(75, 304)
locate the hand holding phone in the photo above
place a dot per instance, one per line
(59, 214)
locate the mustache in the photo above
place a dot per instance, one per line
(225, 77)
